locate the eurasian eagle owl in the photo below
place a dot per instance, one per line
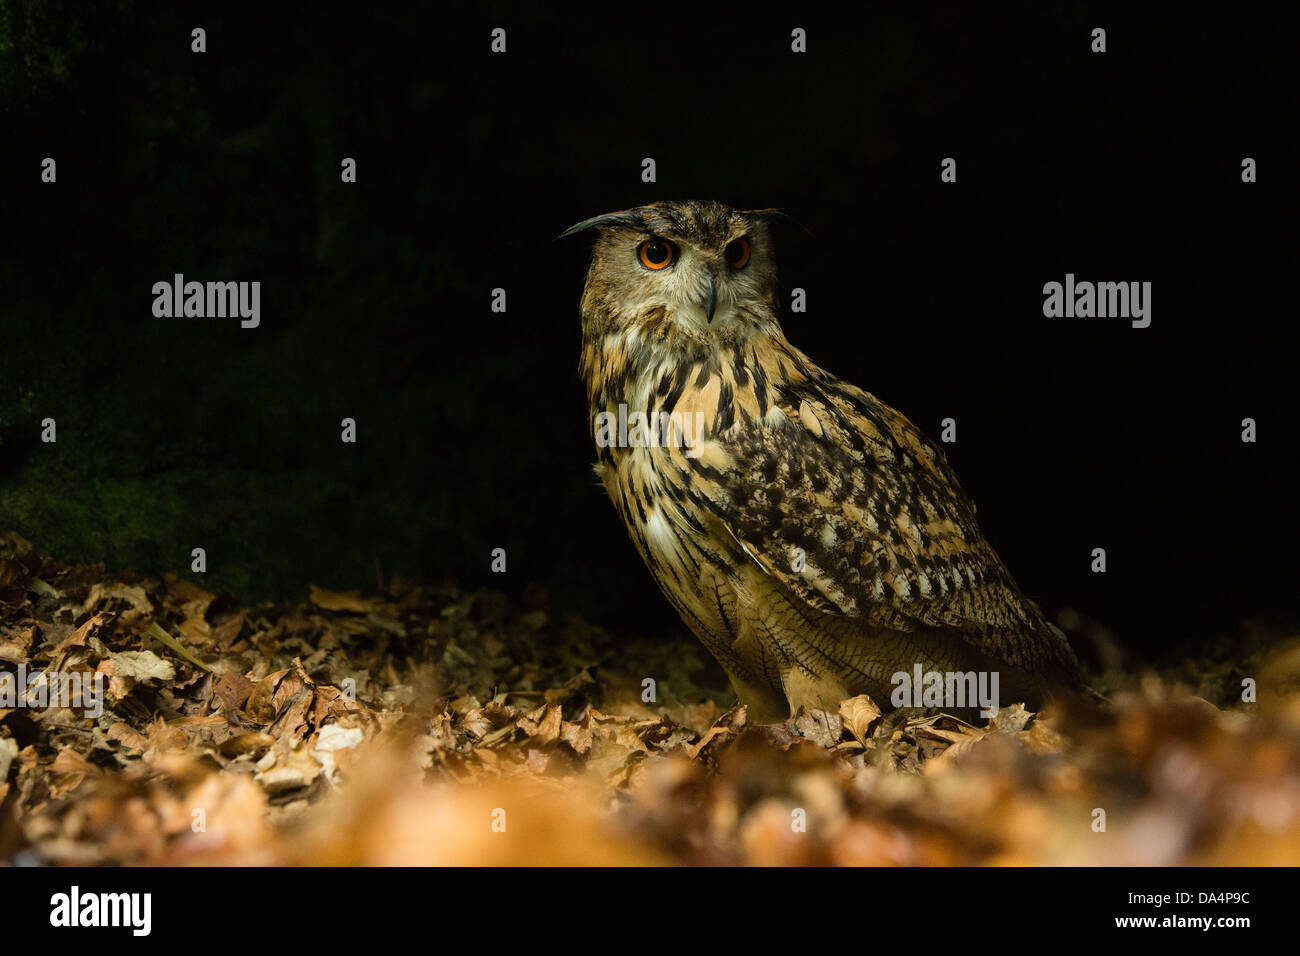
(807, 533)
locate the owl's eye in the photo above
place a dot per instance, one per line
(737, 253)
(656, 254)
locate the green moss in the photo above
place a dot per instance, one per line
(255, 551)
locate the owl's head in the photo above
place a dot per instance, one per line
(695, 272)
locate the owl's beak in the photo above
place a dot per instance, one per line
(711, 299)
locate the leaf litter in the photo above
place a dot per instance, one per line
(427, 724)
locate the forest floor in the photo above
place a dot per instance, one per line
(147, 721)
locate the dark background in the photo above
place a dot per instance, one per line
(474, 434)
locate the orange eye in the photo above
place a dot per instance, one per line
(737, 253)
(656, 254)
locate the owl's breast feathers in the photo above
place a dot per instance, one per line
(825, 490)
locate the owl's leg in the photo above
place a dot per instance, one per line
(728, 632)
(799, 674)
(822, 691)
(762, 703)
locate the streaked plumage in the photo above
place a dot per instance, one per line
(894, 568)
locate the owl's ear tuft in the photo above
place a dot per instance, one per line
(777, 218)
(626, 217)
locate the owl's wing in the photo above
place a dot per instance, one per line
(840, 498)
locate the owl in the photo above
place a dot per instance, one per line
(808, 534)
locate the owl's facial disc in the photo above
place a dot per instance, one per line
(694, 297)
(694, 284)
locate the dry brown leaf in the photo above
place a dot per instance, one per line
(340, 600)
(860, 715)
